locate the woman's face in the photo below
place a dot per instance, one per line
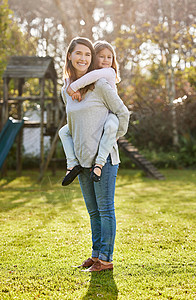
(104, 58)
(81, 59)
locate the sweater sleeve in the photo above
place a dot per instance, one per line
(113, 102)
(63, 89)
(107, 73)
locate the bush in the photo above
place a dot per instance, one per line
(184, 157)
(187, 151)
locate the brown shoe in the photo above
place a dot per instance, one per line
(86, 264)
(98, 266)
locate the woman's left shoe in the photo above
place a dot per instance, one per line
(73, 173)
(94, 176)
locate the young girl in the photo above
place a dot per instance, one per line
(107, 68)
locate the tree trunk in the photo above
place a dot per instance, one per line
(173, 110)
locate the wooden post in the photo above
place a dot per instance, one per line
(1, 114)
(20, 135)
(53, 146)
(55, 90)
(42, 83)
(5, 115)
(5, 101)
(55, 122)
(54, 154)
(49, 119)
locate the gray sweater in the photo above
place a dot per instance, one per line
(86, 121)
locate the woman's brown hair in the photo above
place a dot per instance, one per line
(101, 45)
(69, 70)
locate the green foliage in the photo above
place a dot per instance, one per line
(12, 40)
(5, 37)
(187, 151)
(45, 230)
(163, 159)
(149, 91)
(191, 74)
(151, 113)
(28, 161)
(126, 163)
(32, 161)
(11, 158)
(184, 157)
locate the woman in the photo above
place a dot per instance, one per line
(86, 122)
(106, 67)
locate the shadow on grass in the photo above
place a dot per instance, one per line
(7, 180)
(102, 286)
(25, 192)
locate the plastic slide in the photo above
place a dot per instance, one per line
(7, 137)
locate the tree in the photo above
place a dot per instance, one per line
(56, 22)
(12, 40)
(171, 31)
(154, 36)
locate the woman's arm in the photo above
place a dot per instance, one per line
(107, 73)
(113, 102)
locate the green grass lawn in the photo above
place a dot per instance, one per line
(45, 231)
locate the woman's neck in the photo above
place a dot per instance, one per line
(80, 74)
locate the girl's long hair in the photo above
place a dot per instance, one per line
(101, 45)
(69, 70)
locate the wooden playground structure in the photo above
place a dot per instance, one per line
(21, 68)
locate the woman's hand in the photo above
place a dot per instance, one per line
(76, 96)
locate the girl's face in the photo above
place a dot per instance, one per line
(104, 58)
(81, 59)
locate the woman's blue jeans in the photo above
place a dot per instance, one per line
(99, 199)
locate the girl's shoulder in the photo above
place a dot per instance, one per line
(101, 84)
(107, 75)
(108, 72)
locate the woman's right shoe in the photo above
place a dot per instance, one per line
(87, 263)
(73, 173)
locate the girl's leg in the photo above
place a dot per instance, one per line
(104, 191)
(87, 187)
(68, 146)
(108, 138)
(107, 141)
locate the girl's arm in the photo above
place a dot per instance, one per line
(113, 102)
(107, 73)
